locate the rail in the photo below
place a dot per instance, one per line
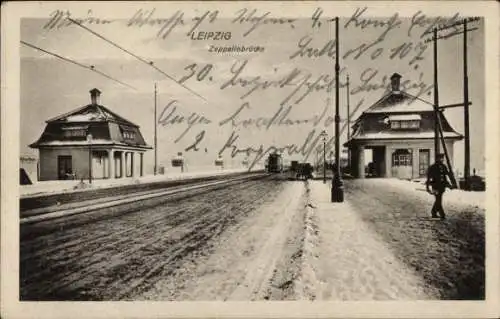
(47, 213)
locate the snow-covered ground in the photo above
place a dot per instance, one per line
(452, 196)
(62, 186)
(268, 239)
(348, 261)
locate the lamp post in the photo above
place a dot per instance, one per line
(89, 140)
(323, 135)
(337, 184)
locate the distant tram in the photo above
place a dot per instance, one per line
(274, 163)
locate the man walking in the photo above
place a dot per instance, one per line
(437, 178)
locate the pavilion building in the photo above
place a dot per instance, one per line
(91, 140)
(399, 129)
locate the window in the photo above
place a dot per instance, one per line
(76, 131)
(413, 124)
(128, 135)
(402, 157)
(405, 121)
(395, 124)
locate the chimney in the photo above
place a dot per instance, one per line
(395, 81)
(94, 96)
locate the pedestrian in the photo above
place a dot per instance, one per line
(437, 178)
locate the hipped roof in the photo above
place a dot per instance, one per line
(400, 102)
(91, 113)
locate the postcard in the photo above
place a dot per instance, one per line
(250, 159)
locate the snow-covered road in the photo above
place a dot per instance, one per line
(271, 239)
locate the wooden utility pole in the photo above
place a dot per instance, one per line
(324, 159)
(466, 103)
(436, 98)
(337, 184)
(155, 137)
(466, 114)
(348, 123)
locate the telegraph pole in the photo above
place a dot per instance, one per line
(436, 98)
(348, 123)
(324, 159)
(466, 114)
(466, 103)
(337, 184)
(155, 138)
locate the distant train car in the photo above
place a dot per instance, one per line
(274, 163)
(304, 171)
(292, 170)
(300, 171)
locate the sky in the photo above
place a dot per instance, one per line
(50, 86)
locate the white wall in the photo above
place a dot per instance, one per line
(415, 145)
(48, 162)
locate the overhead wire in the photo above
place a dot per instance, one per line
(150, 63)
(91, 68)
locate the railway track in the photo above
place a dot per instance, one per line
(111, 258)
(54, 212)
(41, 201)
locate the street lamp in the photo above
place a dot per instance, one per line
(178, 161)
(220, 162)
(337, 184)
(324, 135)
(89, 140)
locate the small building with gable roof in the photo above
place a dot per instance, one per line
(399, 129)
(90, 139)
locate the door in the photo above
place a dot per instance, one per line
(423, 162)
(402, 164)
(64, 166)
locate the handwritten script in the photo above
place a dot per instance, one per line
(395, 44)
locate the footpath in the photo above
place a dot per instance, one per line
(346, 260)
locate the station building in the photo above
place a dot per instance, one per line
(399, 129)
(90, 139)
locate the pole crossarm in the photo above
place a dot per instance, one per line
(453, 105)
(455, 24)
(461, 23)
(449, 35)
